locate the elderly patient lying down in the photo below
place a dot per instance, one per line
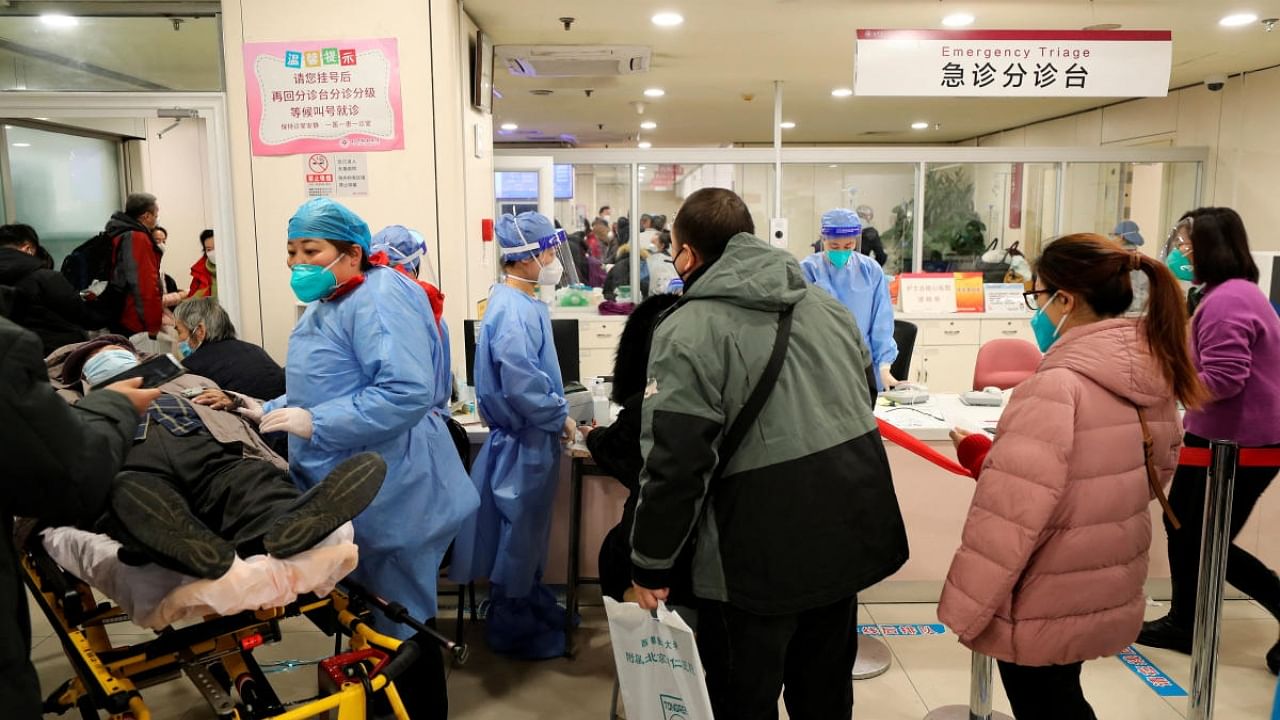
(200, 486)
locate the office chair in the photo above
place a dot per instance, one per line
(1005, 362)
(904, 334)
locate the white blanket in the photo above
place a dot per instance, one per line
(156, 598)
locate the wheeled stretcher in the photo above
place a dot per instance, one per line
(216, 650)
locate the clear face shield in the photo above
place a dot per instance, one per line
(558, 241)
(1179, 238)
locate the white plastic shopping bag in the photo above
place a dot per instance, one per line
(658, 665)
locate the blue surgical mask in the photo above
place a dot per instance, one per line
(185, 349)
(839, 258)
(107, 364)
(1046, 332)
(312, 282)
(1180, 265)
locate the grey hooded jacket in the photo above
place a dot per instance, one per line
(805, 512)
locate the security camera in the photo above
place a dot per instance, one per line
(1215, 83)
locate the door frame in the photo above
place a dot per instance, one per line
(209, 106)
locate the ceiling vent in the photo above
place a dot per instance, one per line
(573, 60)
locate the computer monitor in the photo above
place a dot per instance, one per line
(564, 333)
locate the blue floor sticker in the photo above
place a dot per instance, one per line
(1154, 677)
(902, 630)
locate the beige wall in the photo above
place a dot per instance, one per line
(1240, 125)
(433, 184)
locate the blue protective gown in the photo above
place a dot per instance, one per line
(862, 287)
(375, 378)
(520, 396)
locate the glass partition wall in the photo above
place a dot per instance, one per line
(973, 199)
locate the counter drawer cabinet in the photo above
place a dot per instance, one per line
(1014, 327)
(948, 332)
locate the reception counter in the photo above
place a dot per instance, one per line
(934, 503)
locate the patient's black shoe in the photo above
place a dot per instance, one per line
(158, 517)
(324, 508)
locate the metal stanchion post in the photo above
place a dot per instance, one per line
(873, 659)
(981, 678)
(1215, 539)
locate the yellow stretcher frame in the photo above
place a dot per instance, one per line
(110, 678)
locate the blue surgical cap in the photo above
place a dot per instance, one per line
(841, 223)
(1128, 232)
(523, 236)
(328, 220)
(402, 245)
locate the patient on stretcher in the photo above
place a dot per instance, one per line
(200, 487)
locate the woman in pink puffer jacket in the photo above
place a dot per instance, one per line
(1053, 558)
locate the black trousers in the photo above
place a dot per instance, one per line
(806, 656)
(422, 687)
(1244, 571)
(237, 498)
(1045, 693)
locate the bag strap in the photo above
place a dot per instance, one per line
(759, 395)
(1148, 448)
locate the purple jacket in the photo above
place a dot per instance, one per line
(1235, 340)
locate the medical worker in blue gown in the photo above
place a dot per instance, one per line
(859, 283)
(365, 372)
(520, 395)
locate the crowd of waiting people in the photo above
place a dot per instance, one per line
(731, 512)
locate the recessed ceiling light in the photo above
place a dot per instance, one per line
(648, 125)
(919, 126)
(1238, 19)
(655, 92)
(510, 126)
(22, 144)
(958, 20)
(645, 145)
(58, 20)
(642, 167)
(667, 19)
(841, 92)
(788, 125)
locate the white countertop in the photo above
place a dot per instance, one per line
(932, 421)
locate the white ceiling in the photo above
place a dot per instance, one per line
(728, 48)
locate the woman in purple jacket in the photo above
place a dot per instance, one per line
(1235, 341)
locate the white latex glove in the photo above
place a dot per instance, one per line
(294, 421)
(887, 379)
(570, 430)
(251, 409)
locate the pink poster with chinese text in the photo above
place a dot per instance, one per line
(324, 96)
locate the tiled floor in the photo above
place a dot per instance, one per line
(927, 672)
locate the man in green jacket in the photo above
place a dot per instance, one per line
(804, 515)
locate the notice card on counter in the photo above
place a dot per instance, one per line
(1005, 297)
(969, 292)
(928, 292)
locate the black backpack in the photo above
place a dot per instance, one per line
(91, 261)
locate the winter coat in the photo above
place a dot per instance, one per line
(805, 514)
(1053, 558)
(238, 366)
(137, 270)
(204, 279)
(44, 302)
(620, 274)
(59, 463)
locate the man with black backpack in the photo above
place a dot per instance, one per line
(43, 301)
(136, 266)
(761, 449)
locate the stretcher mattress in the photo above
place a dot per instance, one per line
(155, 597)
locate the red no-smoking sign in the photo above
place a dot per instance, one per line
(318, 163)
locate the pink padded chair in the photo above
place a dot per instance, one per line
(1005, 362)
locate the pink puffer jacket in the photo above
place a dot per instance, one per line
(1054, 553)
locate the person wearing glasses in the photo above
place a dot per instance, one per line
(1235, 339)
(1053, 557)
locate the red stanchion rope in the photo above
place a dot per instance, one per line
(1193, 457)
